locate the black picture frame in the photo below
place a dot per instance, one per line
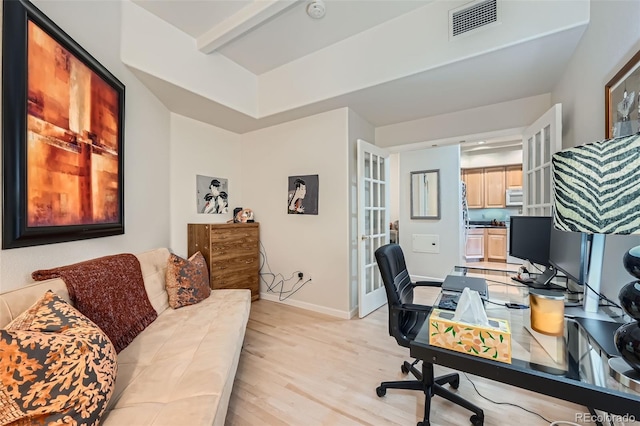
(89, 210)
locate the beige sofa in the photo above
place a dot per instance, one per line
(181, 368)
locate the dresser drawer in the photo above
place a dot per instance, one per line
(232, 253)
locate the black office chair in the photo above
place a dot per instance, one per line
(405, 321)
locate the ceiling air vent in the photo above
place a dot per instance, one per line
(472, 17)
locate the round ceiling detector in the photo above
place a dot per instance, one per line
(316, 9)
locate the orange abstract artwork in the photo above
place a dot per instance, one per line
(72, 139)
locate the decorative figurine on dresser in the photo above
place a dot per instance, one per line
(232, 253)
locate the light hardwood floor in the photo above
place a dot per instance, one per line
(493, 265)
(303, 368)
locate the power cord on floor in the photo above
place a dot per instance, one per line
(504, 403)
(278, 280)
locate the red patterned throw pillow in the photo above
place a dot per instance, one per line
(56, 367)
(187, 280)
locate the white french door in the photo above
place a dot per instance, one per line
(373, 223)
(539, 142)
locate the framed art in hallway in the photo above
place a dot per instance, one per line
(62, 136)
(622, 109)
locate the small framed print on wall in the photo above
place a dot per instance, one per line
(622, 109)
(212, 194)
(303, 195)
(62, 136)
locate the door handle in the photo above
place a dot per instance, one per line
(365, 237)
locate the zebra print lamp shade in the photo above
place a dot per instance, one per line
(597, 192)
(596, 187)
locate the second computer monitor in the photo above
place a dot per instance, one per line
(530, 238)
(568, 253)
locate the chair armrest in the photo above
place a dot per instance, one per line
(427, 284)
(412, 307)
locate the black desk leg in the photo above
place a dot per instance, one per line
(595, 416)
(427, 380)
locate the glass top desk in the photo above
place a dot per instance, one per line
(576, 369)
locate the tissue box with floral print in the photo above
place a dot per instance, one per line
(492, 342)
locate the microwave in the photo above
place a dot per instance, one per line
(514, 197)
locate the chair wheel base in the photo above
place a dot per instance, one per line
(477, 420)
(380, 391)
(455, 384)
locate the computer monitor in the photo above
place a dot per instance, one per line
(529, 239)
(568, 252)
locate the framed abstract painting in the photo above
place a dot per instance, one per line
(62, 135)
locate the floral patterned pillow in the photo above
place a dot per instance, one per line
(56, 366)
(187, 280)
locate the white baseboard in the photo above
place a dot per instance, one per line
(310, 306)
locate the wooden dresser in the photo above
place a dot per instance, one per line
(232, 253)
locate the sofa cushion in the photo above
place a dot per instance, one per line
(180, 370)
(187, 280)
(56, 366)
(153, 264)
(110, 291)
(15, 302)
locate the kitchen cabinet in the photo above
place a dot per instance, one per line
(513, 176)
(475, 244)
(474, 178)
(494, 187)
(496, 244)
(486, 244)
(486, 187)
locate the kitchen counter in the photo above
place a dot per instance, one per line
(485, 224)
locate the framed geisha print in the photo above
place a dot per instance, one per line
(62, 135)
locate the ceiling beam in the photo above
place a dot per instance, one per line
(241, 22)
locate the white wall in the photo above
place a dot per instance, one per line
(200, 149)
(397, 48)
(96, 27)
(160, 49)
(601, 53)
(491, 157)
(448, 227)
(517, 114)
(394, 208)
(611, 39)
(317, 245)
(358, 129)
